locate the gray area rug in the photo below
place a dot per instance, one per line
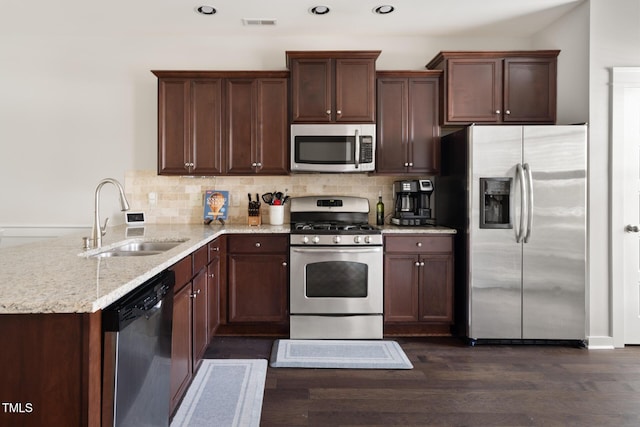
(344, 354)
(224, 392)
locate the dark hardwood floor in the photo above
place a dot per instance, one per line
(453, 384)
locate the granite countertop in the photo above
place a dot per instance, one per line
(57, 276)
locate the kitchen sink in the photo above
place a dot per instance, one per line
(137, 248)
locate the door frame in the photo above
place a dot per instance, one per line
(621, 78)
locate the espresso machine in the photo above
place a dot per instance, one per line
(412, 202)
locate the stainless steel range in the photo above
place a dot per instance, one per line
(335, 269)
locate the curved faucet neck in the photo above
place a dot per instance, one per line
(98, 230)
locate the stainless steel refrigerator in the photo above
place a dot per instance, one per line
(517, 196)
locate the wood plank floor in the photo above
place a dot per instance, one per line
(453, 384)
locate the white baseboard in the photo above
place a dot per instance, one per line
(600, 343)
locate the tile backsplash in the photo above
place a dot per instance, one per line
(180, 200)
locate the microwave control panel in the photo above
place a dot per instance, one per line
(366, 149)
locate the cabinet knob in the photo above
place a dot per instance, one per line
(284, 264)
(195, 294)
(410, 164)
(507, 112)
(406, 164)
(212, 276)
(214, 248)
(339, 112)
(497, 111)
(259, 165)
(254, 164)
(631, 228)
(422, 264)
(328, 112)
(419, 244)
(258, 244)
(417, 264)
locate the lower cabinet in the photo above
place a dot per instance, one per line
(418, 284)
(190, 335)
(257, 279)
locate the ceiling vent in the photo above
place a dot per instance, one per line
(262, 22)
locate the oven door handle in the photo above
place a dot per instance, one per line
(334, 250)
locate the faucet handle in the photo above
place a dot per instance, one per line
(103, 229)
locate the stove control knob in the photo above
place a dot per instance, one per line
(305, 240)
(316, 239)
(356, 239)
(367, 239)
(336, 239)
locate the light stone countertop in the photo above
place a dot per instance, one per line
(57, 276)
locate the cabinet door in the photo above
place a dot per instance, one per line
(181, 361)
(240, 126)
(257, 286)
(311, 90)
(272, 127)
(355, 90)
(424, 127)
(213, 295)
(173, 126)
(199, 316)
(474, 90)
(206, 127)
(436, 288)
(400, 288)
(530, 90)
(392, 133)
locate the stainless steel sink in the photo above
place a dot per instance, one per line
(138, 248)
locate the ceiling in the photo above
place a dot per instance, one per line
(430, 18)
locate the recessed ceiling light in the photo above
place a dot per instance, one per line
(384, 9)
(207, 10)
(319, 10)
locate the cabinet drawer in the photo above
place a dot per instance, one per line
(418, 243)
(184, 272)
(200, 258)
(258, 243)
(216, 248)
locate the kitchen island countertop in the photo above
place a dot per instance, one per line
(56, 276)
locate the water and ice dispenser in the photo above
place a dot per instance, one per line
(495, 200)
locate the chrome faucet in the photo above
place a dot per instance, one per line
(98, 231)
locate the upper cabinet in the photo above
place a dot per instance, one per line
(498, 87)
(222, 122)
(189, 126)
(256, 114)
(408, 130)
(332, 86)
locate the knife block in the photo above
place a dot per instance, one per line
(253, 218)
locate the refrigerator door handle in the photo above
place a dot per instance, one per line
(520, 178)
(529, 203)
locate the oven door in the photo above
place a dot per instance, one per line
(336, 280)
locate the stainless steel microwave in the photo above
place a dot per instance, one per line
(333, 147)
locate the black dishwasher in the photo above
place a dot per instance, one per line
(137, 355)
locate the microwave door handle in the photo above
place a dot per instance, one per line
(357, 162)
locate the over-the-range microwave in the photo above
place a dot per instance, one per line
(333, 147)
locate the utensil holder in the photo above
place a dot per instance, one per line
(276, 214)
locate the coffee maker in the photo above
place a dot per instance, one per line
(412, 202)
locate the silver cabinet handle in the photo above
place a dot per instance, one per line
(507, 112)
(214, 248)
(259, 164)
(258, 244)
(254, 164)
(631, 228)
(417, 264)
(497, 111)
(410, 164)
(419, 244)
(339, 112)
(406, 165)
(328, 112)
(421, 263)
(284, 264)
(212, 276)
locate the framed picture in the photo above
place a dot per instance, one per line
(216, 205)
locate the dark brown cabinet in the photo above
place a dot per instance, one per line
(332, 86)
(215, 279)
(222, 123)
(418, 284)
(498, 87)
(190, 334)
(257, 278)
(257, 124)
(189, 126)
(408, 128)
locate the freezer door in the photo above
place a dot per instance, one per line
(554, 266)
(495, 300)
